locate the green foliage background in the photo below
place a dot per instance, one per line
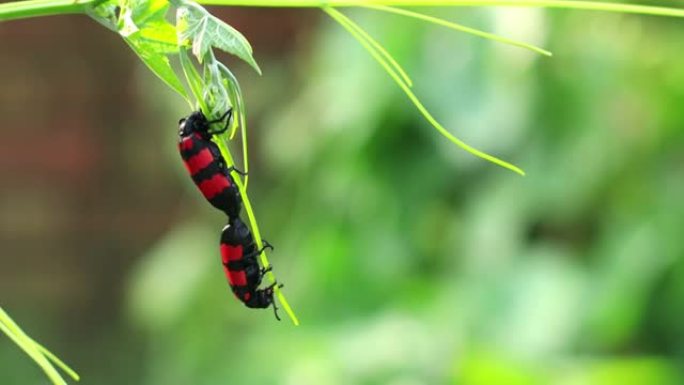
(410, 262)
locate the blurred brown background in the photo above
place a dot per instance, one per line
(86, 188)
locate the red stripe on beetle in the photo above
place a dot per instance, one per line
(186, 144)
(230, 253)
(199, 162)
(212, 187)
(237, 278)
(233, 253)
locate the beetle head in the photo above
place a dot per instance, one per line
(196, 122)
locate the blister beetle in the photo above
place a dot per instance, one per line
(206, 166)
(208, 169)
(239, 255)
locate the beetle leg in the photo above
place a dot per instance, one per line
(269, 290)
(227, 115)
(257, 252)
(266, 245)
(265, 270)
(232, 168)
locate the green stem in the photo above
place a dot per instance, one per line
(37, 352)
(458, 27)
(35, 8)
(564, 4)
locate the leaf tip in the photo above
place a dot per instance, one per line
(257, 68)
(518, 171)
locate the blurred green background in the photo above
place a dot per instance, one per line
(408, 261)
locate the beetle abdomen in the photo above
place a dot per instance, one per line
(238, 253)
(205, 165)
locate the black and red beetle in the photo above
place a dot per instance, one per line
(239, 255)
(205, 164)
(210, 173)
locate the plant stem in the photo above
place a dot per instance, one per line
(35, 8)
(565, 4)
(458, 27)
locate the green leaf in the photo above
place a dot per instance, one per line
(126, 25)
(148, 10)
(203, 31)
(104, 13)
(145, 20)
(239, 115)
(193, 77)
(143, 25)
(154, 58)
(162, 36)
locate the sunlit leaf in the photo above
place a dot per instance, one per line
(193, 77)
(161, 36)
(127, 26)
(154, 58)
(145, 11)
(104, 13)
(203, 31)
(240, 117)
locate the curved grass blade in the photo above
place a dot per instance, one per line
(561, 4)
(36, 351)
(242, 120)
(459, 27)
(345, 22)
(32, 352)
(193, 78)
(43, 350)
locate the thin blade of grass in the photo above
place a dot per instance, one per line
(345, 22)
(193, 78)
(57, 361)
(562, 4)
(30, 347)
(242, 120)
(35, 355)
(458, 27)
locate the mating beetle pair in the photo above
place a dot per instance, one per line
(209, 171)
